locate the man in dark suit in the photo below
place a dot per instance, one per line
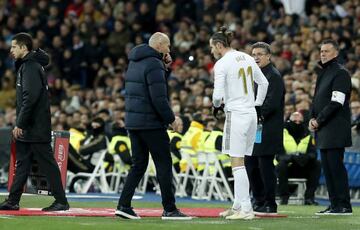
(32, 132)
(260, 167)
(332, 126)
(147, 116)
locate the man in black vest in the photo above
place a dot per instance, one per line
(32, 132)
(260, 167)
(331, 123)
(147, 116)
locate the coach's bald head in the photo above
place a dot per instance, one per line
(160, 42)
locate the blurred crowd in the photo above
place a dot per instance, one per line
(88, 42)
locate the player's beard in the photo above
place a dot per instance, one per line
(217, 56)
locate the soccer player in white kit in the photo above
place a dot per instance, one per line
(234, 76)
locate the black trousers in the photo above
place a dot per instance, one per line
(262, 178)
(157, 143)
(311, 171)
(43, 153)
(336, 177)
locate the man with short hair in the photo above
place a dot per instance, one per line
(332, 126)
(259, 165)
(32, 132)
(147, 116)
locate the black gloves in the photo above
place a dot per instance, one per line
(259, 115)
(216, 110)
(301, 159)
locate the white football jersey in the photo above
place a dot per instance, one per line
(234, 76)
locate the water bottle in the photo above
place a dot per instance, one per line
(258, 136)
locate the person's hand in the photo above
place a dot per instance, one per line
(313, 125)
(167, 60)
(301, 159)
(260, 117)
(216, 110)
(284, 157)
(17, 132)
(176, 123)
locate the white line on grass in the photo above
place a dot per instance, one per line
(304, 217)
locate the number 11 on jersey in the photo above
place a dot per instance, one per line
(243, 75)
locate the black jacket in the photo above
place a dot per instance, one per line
(32, 102)
(333, 118)
(146, 95)
(273, 113)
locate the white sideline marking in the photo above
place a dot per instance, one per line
(304, 217)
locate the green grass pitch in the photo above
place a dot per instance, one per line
(299, 217)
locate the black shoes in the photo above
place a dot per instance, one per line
(257, 205)
(175, 215)
(7, 205)
(310, 202)
(56, 207)
(127, 213)
(323, 212)
(337, 211)
(266, 210)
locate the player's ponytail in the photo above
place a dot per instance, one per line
(223, 36)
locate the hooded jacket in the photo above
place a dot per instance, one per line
(32, 102)
(146, 94)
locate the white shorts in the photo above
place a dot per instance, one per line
(239, 134)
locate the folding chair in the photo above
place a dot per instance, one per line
(98, 176)
(117, 176)
(189, 174)
(218, 183)
(202, 177)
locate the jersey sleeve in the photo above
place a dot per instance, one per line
(219, 84)
(262, 83)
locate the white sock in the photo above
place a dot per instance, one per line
(241, 189)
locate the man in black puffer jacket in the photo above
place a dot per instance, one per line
(33, 124)
(148, 113)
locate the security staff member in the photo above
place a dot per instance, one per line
(331, 123)
(201, 151)
(175, 143)
(119, 147)
(259, 166)
(190, 142)
(86, 158)
(213, 144)
(32, 132)
(299, 159)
